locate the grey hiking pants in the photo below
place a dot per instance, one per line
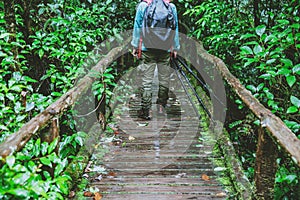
(149, 61)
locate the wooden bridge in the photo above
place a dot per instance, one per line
(184, 154)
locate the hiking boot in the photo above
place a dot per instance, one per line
(161, 109)
(144, 114)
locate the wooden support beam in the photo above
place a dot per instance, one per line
(52, 133)
(17, 140)
(265, 166)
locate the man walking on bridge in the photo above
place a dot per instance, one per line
(155, 38)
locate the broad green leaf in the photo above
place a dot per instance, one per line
(292, 109)
(290, 178)
(39, 187)
(21, 178)
(295, 101)
(2, 54)
(41, 53)
(284, 71)
(251, 87)
(28, 79)
(52, 145)
(3, 35)
(10, 161)
(56, 94)
(31, 165)
(296, 69)
(20, 118)
(17, 88)
(246, 36)
(283, 21)
(29, 106)
(257, 49)
(109, 76)
(58, 170)
(265, 76)
(246, 50)
(291, 80)
(79, 140)
(257, 122)
(249, 62)
(46, 161)
(290, 38)
(260, 86)
(272, 73)
(37, 147)
(296, 26)
(10, 96)
(260, 30)
(270, 37)
(271, 61)
(44, 148)
(269, 95)
(287, 62)
(18, 192)
(2, 127)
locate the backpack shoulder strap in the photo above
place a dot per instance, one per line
(148, 1)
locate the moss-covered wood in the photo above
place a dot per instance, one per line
(266, 166)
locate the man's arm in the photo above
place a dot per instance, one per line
(176, 44)
(138, 20)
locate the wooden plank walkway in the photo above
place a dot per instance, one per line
(168, 157)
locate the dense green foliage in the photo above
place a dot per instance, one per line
(43, 51)
(44, 46)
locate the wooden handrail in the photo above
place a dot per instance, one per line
(278, 130)
(17, 140)
(284, 136)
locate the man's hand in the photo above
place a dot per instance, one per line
(134, 52)
(174, 53)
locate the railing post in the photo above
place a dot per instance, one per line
(265, 166)
(53, 131)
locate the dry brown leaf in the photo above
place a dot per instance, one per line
(111, 173)
(205, 177)
(116, 132)
(98, 196)
(221, 194)
(88, 194)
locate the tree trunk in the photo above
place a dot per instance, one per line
(10, 18)
(256, 12)
(266, 166)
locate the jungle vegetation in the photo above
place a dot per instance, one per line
(44, 43)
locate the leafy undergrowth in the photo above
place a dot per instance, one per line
(37, 172)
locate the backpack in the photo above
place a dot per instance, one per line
(158, 27)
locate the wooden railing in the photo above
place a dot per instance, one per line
(271, 134)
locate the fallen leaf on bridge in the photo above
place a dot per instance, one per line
(111, 174)
(98, 196)
(131, 138)
(88, 194)
(205, 177)
(221, 194)
(116, 132)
